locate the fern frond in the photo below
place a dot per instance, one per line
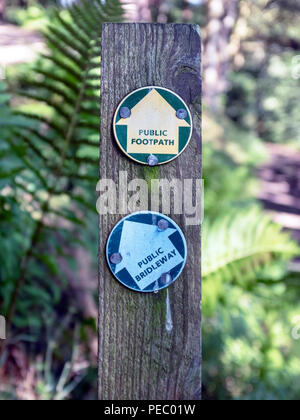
(29, 166)
(54, 145)
(28, 116)
(70, 28)
(28, 140)
(67, 80)
(46, 140)
(39, 96)
(78, 48)
(10, 173)
(239, 244)
(56, 60)
(51, 89)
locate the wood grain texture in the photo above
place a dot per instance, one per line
(138, 358)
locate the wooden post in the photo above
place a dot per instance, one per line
(138, 358)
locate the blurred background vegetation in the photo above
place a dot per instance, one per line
(49, 129)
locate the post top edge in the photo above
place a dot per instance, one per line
(195, 25)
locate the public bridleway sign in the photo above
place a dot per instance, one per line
(152, 125)
(146, 251)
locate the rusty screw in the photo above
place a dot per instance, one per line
(115, 258)
(152, 160)
(125, 112)
(181, 114)
(162, 225)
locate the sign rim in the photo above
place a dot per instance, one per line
(158, 214)
(117, 111)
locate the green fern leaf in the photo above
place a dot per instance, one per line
(241, 243)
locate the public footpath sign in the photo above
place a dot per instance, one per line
(146, 251)
(152, 125)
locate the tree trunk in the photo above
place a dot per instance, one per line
(138, 357)
(221, 19)
(2, 9)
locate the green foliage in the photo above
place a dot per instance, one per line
(49, 160)
(240, 99)
(248, 349)
(249, 297)
(33, 17)
(226, 183)
(236, 247)
(268, 101)
(14, 221)
(49, 168)
(280, 107)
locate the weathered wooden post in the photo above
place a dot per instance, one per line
(139, 358)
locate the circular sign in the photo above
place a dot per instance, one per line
(152, 125)
(146, 251)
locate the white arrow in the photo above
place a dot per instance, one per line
(147, 253)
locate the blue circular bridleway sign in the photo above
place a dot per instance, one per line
(146, 251)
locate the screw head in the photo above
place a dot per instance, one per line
(162, 225)
(152, 160)
(181, 114)
(125, 112)
(115, 258)
(166, 278)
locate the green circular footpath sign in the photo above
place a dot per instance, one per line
(152, 125)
